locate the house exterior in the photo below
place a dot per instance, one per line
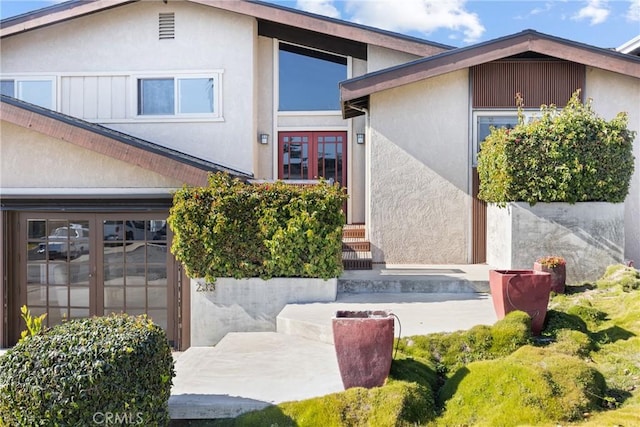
(108, 106)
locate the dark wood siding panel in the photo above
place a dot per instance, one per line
(495, 84)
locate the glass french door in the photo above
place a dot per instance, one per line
(312, 155)
(81, 265)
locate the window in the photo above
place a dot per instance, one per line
(308, 79)
(485, 120)
(33, 91)
(194, 95)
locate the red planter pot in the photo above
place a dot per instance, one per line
(525, 290)
(364, 346)
(558, 276)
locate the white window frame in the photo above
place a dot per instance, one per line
(529, 115)
(217, 115)
(17, 79)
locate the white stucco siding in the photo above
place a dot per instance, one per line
(379, 58)
(32, 160)
(124, 42)
(611, 94)
(419, 172)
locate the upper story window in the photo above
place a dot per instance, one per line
(308, 79)
(179, 96)
(38, 91)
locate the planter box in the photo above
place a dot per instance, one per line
(249, 305)
(364, 346)
(524, 290)
(588, 235)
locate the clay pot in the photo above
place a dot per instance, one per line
(364, 346)
(525, 290)
(558, 276)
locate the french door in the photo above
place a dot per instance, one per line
(312, 155)
(84, 264)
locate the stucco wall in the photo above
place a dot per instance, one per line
(419, 172)
(125, 40)
(613, 93)
(381, 57)
(30, 159)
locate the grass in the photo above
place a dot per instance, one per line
(585, 371)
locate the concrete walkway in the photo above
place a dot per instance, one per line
(249, 371)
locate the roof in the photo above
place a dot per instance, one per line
(266, 12)
(354, 93)
(632, 47)
(156, 158)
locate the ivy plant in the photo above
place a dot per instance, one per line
(566, 155)
(236, 229)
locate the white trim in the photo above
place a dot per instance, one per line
(630, 46)
(276, 101)
(33, 77)
(337, 55)
(310, 113)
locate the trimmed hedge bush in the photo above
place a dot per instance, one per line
(85, 372)
(571, 155)
(234, 229)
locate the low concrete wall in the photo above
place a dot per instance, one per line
(589, 235)
(248, 305)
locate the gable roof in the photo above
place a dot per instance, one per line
(354, 93)
(264, 12)
(156, 158)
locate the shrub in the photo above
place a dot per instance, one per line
(82, 369)
(570, 156)
(234, 229)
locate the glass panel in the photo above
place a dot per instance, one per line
(79, 273)
(156, 97)
(36, 273)
(36, 295)
(57, 315)
(157, 296)
(37, 229)
(114, 274)
(159, 317)
(134, 230)
(38, 92)
(136, 297)
(58, 296)
(295, 158)
(157, 275)
(7, 87)
(485, 123)
(78, 313)
(114, 297)
(157, 231)
(135, 253)
(196, 95)
(79, 296)
(135, 275)
(157, 253)
(113, 230)
(113, 253)
(309, 79)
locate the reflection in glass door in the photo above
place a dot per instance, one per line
(80, 265)
(58, 268)
(312, 155)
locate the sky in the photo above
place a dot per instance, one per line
(602, 23)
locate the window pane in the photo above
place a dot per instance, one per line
(309, 80)
(38, 92)
(196, 95)
(486, 123)
(7, 87)
(155, 97)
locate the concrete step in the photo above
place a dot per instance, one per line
(417, 278)
(249, 371)
(355, 260)
(418, 313)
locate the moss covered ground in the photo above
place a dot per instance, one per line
(583, 371)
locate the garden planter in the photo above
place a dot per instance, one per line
(525, 290)
(364, 344)
(558, 276)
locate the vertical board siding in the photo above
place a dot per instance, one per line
(94, 97)
(495, 84)
(479, 223)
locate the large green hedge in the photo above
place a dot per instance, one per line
(235, 229)
(571, 155)
(87, 372)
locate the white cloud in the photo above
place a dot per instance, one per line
(595, 11)
(633, 13)
(321, 7)
(423, 16)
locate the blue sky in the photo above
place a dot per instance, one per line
(603, 23)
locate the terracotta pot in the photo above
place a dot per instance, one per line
(525, 290)
(558, 276)
(364, 346)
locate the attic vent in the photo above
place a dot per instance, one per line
(167, 26)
